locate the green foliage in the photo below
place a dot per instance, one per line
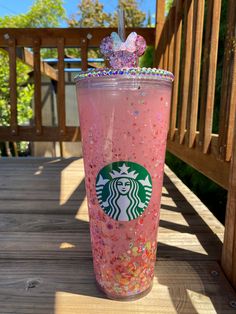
(168, 5)
(43, 13)
(134, 17)
(24, 92)
(149, 19)
(147, 59)
(91, 14)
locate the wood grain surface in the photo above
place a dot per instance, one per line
(45, 252)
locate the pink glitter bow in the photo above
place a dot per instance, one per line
(128, 45)
(123, 54)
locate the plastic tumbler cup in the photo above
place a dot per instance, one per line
(124, 117)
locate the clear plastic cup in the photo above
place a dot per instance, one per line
(124, 117)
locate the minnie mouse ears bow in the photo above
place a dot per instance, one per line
(112, 46)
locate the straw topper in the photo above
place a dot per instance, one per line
(123, 54)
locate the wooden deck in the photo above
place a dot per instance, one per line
(45, 254)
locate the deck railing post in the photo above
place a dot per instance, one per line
(13, 86)
(176, 66)
(159, 39)
(37, 86)
(210, 55)
(228, 87)
(84, 53)
(229, 246)
(186, 68)
(171, 38)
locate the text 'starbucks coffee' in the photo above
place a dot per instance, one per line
(124, 114)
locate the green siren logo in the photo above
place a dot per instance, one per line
(124, 190)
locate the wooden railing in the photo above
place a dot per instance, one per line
(15, 41)
(188, 46)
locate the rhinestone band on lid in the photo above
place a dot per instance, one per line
(150, 73)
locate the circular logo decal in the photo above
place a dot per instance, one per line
(124, 190)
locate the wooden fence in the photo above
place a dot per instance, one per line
(187, 45)
(15, 42)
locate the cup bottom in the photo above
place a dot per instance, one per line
(125, 298)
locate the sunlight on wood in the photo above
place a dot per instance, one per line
(66, 245)
(71, 179)
(177, 240)
(34, 227)
(165, 192)
(93, 302)
(82, 213)
(67, 303)
(39, 171)
(199, 301)
(54, 161)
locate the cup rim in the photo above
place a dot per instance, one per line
(141, 73)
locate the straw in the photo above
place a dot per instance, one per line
(121, 24)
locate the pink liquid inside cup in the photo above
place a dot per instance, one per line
(124, 120)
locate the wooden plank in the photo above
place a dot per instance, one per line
(31, 223)
(166, 44)
(65, 287)
(13, 86)
(204, 163)
(228, 90)
(84, 54)
(186, 70)
(159, 40)
(196, 66)
(27, 57)
(44, 195)
(204, 76)
(61, 88)
(41, 207)
(209, 75)
(176, 68)
(171, 222)
(171, 38)
(229, 248)
(37, 87)
(45, 68)
(71, 207)
(50, 245)
(49, 134)
(49, 36)
(46, 245)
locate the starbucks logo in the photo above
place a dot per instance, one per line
(124, 190)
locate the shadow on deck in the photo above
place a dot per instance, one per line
(45, 252)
